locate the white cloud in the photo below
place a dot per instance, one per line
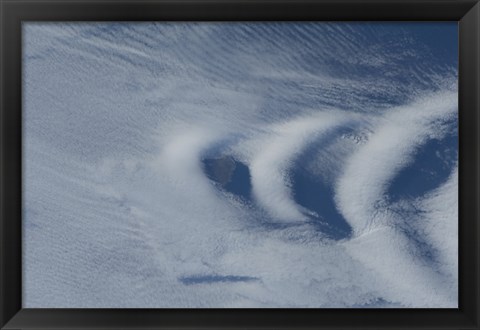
(361, 188)
(118, 209)
(439, 224)
(275, 156)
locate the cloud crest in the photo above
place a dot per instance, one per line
(120, 119)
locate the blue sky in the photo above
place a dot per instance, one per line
(281, 164)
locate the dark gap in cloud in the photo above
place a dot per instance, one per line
(314, 194)
(209, 279)
(420, 249)
(230, 174)
(431, 168)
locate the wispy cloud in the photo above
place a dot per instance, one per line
(275, 156)
(361, 189)
(120, 117)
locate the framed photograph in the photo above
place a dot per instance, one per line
(240, 164)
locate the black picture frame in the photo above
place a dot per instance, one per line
(14, 12)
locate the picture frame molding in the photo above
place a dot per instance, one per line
(15, 12)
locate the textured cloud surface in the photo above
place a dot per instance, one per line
(240, 165)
